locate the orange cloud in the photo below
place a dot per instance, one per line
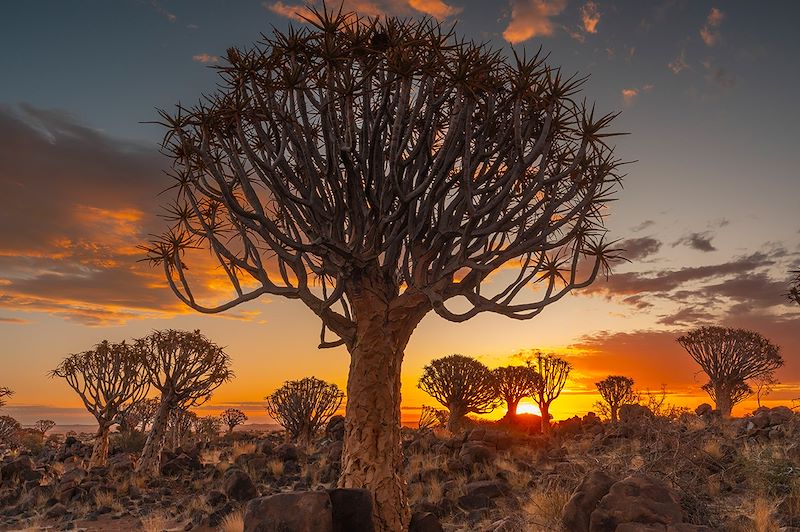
(205, 58)
(629, 95)
(590, 17)
(532, 18)
(710, 31)
(435, 8)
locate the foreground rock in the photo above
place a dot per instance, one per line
(579, 508)
(336, 510)
(637, 499)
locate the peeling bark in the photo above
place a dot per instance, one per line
(372, 457)
(100, 448)
(544, 408)
(150, 460)
(723, 401)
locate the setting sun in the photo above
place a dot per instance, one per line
(526, 406)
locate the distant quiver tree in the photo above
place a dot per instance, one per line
(730, 358)
(302, 407)
(377, 170)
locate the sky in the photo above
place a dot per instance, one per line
(708, 213)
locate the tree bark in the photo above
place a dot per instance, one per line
(372, 457)
(150, 460)
(512, 408)
(544, 408)
(100, 448)
(723, 401)
(614, 416)
(456, 417)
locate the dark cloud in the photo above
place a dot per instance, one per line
(74, 205)
(640, 248)
(698, 241)
(644, 225)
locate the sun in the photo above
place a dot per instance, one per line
(528, 407)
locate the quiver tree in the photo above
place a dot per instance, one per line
(4, 393)
(179, 428)
(514, 383)
(186, 368)
(377, 170)
(9, 431)
(553, 372)
(109, 379)
(794, 288)
(430, 417)
(303, 407)
(206, 428)
(462, 385)
(730, 358)
(42, 426)
(145, 412)
(232, 417)
(616, 390)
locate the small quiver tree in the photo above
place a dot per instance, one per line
(5, 393)
(514, 383)
(303, 407)
(179, 428)
(42, 426)
(186, 368)
(206, 428)
(10, 430)
(377, 170)
(794, 287)
(233, 417)
(462, 385)
(109, 379)
(730, 358)
(616, 390)
(553, 372)
(430, 418)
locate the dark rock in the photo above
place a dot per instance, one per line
(474, 502)
(296, 512)
(238, 485)
(636, 499)
(287, 452)
(351, 510)
(55, 511)
(489, 488)
(334, 430)
(216, 498)
(584, 499)
(424, 522)
(476, 452)
(181, 464)
(634, 413)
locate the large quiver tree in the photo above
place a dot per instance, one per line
(186, 368)
(376, 170)
(109, 379)
(462, 385)
(730, 358)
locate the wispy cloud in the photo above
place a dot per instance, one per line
(205, 58)
(629, 95)
(164, 12)
(710, 30)
(438, 9)
(698, 241)
(590, 17)
(532, 18)
(678, 64)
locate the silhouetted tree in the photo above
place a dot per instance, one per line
(794, 288)
(764, 385)
(430, 417)
(377, 170)
(232, 417)
(462, 385)
(9, 430)
(4, 392)
(180, 426)
(730, 357)
(109, 379)
(553, 372)
(42, 426)
(616, 391)
(186, 368)
(303, 407)
(514, 383)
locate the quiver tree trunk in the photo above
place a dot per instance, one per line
(614, 409)
(723, 400)
(372, 457)
(150, 460)
(456, 417)
(512, 408)
(544, 408)
(100, 448)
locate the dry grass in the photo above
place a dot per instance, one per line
(275, 467)
(239, 448)
(108, 499)
(763, 515)
(233, 522)
(210, 456)
(154, 522)
(543, 509)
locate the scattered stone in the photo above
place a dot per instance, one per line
(238, 485)
(424, 522)
(299, 512)
(638, 498)
(578, 510)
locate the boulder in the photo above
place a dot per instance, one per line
(287, 451)
(334, 430)
(474, 502)
(351, 510)
(489, 488)
(584, 499)
(183, 463)
(309, 511)
(424, 522)
(476, 452)
(238, 485)
(634, 413)
(704, 410)
(639, 499)
(780, 415)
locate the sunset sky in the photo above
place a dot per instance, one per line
(708, 214)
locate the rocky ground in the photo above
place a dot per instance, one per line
(693, 472)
